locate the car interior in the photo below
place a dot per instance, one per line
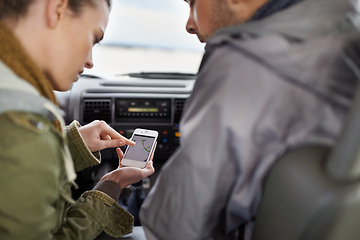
(319, 201)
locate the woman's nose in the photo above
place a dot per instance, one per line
(89, 62)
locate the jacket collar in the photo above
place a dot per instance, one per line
(9, 80)
(308, 19)
(272, 7)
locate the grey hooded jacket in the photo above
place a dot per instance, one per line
(263, 88)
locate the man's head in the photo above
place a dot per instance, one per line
(207, 16)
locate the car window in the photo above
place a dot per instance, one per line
(147, 36)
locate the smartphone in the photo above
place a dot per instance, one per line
(139, 154)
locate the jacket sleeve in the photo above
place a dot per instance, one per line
(192, 188)
(80, 153)
(36, 193)
(93, 213)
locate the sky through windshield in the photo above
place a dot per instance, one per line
(147, 35)
(150, 23)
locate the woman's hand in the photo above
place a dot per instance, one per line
(124, 176)
(98, 135)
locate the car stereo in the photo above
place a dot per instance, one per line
(143, 110)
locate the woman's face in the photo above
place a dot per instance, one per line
(72, 43)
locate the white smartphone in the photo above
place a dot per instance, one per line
(139, 155)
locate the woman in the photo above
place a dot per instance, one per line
(44, 46)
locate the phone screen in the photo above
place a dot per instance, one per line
(142, 148)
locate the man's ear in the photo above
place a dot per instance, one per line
(231, 2)
(235, 5)
(245, 9)
(55, 11)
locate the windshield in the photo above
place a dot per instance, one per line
(147, 36)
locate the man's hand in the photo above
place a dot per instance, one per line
(98, 135)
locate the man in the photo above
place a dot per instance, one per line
(206, 17)
(263, 88)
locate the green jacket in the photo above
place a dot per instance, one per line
(37, 166)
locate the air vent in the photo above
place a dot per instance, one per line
(179, 106)
(97, 109)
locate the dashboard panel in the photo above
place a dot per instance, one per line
(151, 101)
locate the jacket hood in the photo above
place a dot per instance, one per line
(308, 19)
(305, 44)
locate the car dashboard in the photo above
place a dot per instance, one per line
(139, 100)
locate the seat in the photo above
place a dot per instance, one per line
(313, 192)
